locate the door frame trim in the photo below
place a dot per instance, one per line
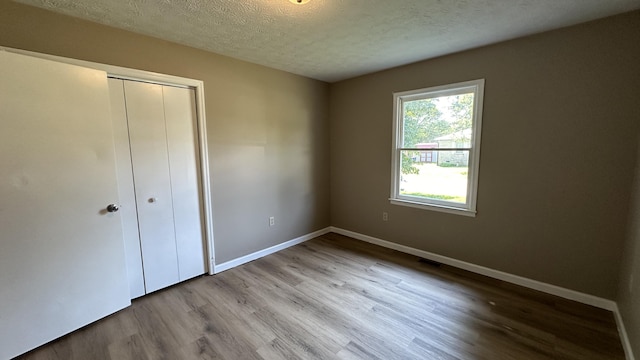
(162, 79)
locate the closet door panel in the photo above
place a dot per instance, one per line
(62, 261)
(152, 183)
(126, 193)
(182, 135)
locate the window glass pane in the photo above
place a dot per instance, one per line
(440, 122)
(435, 175)
(434, 164)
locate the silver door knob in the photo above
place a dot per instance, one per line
(112, 208)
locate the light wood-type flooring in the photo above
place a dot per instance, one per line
(338, 298)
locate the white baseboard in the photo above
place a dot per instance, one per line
(496, 274)
(217, 268)
(626, 344)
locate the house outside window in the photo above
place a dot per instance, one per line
(436, 147)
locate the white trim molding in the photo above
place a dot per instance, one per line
(492, 273)
(218, 268)
(624, 338)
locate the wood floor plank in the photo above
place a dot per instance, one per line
(129, 348)
(202, 348)
(428, 350)
(219, 333)
(334, 297)
(355, 351)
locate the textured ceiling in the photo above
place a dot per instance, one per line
(332, 40)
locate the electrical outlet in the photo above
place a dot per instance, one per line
(272, 221)
(385, 216)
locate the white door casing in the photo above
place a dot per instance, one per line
(62, 263)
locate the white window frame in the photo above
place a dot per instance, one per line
(468, 208)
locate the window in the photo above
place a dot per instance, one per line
(446, 120)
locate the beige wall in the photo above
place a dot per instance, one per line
(629, 288)
(558, 150)
(267, 129)
(556, 163)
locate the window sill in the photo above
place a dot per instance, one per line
(432, 207)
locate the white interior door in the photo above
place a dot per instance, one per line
(182, 132)
(126, 192)
(152, 182)
(62, 262)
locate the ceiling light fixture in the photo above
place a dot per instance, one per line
(299, 2)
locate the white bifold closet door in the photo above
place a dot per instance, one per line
(156, 151)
